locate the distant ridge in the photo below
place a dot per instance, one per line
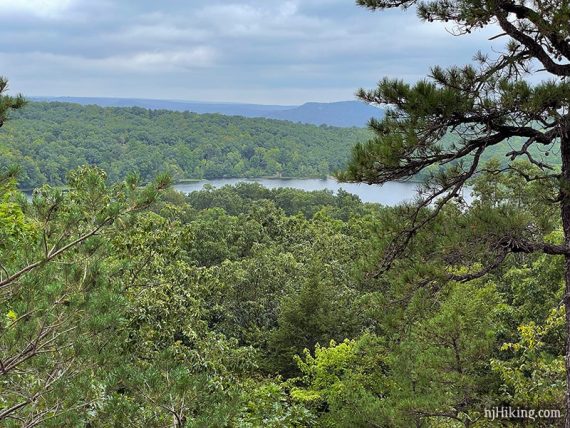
(344, 114)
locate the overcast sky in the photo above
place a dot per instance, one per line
(255, 51)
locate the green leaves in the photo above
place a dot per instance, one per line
(8, 103)
(532, 375)
(184, 145)
(14, 226)
(56, 292)
(345, 382)
(185, 311)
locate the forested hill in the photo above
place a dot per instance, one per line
(342, 114)
(49, 139)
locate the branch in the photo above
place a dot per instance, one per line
(475, 275)
(524, 12)
(402, 240)
(533, 46)
(52, 255)
(511, 245)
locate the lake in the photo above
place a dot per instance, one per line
(388, 194)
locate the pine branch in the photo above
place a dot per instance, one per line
(533, 46)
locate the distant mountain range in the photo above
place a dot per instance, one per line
(342, 114)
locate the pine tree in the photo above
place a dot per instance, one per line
(8, 103)
(444, 126)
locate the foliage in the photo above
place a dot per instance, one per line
(124, 305)
(244, 306)
(8, 103)
(48, 139)
(534, 376)
(346, 382)
(445, 126)
(53, 273)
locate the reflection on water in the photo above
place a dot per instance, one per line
(388, 194)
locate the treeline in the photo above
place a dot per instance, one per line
(248, 307)
(48, 139)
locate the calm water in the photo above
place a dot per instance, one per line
(389, 194)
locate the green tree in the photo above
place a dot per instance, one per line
(533, 376)
(345, 383)
(49, 139)
(445, 124)
(8, 103)
(54, 291)
(442, 368)
(173, 365)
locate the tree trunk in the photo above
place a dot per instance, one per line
(565, 208)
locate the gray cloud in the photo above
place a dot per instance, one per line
(243, 50)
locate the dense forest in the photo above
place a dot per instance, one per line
(248, 307)
(124, 303)
(48, 139)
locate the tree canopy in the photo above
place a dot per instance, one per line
(243, 306)
(518, 98)
(125, 304)
(48, 139)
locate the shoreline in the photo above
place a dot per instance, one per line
(266, 177)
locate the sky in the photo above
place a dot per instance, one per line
(250, 51)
